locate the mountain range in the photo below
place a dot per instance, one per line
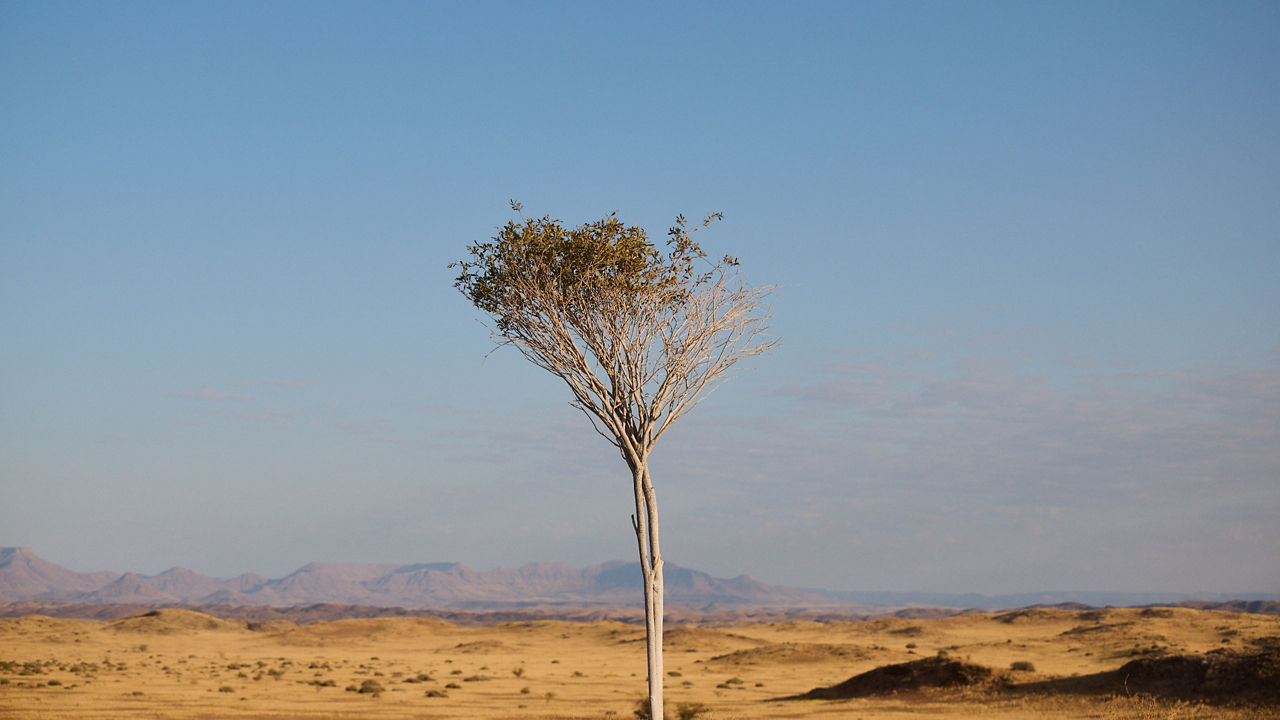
(25, 578)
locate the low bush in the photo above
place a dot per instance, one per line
(690, 710)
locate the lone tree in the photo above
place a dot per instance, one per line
(639, 334)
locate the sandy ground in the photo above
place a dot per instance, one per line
(182, 665)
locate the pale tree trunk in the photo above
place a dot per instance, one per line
(645, 522)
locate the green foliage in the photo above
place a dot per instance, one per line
(540, 266)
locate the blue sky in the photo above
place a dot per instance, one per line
(1028, 261)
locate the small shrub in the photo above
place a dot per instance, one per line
(525, 690)
(1022, 666)
(371, 687)
(437, 693)
(453, 686)
(642, 709)
(518, 672)
(226, 688)
(690, 710)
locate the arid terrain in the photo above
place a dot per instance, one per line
(1023, 664)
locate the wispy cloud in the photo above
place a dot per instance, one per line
(300, 383)
(205, 393)
(980, 425)
(932, 469)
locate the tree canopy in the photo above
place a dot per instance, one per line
(639, 333)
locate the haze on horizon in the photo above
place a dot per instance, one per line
(1028, 258)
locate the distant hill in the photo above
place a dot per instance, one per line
(547, 588)
(1021, 600)
(24, 577)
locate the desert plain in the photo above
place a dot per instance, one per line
(184, 665)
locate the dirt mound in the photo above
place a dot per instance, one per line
(480, 646)
(31, 623)
(1221, 674)
(1217, 676)
(1260, 607)
(368, 629)
(1030, 615)
(1100, 628)
(51, 629)
(888, 679)
(172, 621)
(791, 653)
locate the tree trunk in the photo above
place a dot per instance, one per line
(645, 522)
(657, 591)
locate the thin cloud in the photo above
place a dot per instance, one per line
(210, 394)
(947, 465)
(1186, 425)
(302, 383)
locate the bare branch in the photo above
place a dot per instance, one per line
(640, 337)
